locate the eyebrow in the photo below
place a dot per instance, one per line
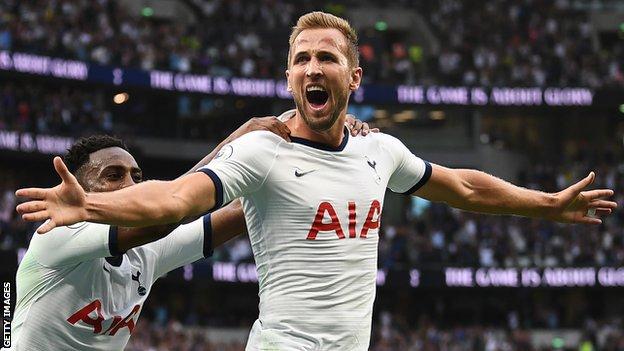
(319, 52)
(120, 167)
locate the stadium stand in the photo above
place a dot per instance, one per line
(535, 43)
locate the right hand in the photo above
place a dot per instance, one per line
(271, 124)
(573, 204)
(62, 205)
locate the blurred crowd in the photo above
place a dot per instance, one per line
(62, 111)
(520, 43)
(533, 42)
(387, 336)
(149, 336)
(70, 110)
(14, 233)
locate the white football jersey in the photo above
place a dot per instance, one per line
(313, 215)
(70, 297)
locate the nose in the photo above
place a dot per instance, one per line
(314, 68)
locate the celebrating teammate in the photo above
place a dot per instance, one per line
(312, 206)
(82, 287)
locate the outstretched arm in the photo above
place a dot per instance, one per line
(477, 191)
(145, 204)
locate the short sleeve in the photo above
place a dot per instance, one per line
(186, 244)
(74, 244)
(410, 171)
(242, 166)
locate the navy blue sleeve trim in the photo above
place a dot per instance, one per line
(113, 241)
(207, 236)
(422, 180)
(218, 186)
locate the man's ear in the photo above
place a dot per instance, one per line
(355, 79)
(288, 87)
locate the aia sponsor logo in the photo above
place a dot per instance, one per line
(91, 315)
(325, 208)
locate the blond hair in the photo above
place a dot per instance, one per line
(317, 19)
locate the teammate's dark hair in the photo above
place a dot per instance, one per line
(78, 154)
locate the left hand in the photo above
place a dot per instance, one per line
(358, 127)
(65, 204)
(574, 205)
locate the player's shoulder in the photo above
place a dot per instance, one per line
(256, 143)
(62, 235)
(378, 139)
(55, 245)
(259, 137)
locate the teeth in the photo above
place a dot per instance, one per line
(315, 88)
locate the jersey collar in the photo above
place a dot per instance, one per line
(322, 146)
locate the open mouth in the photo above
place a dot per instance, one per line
(317, 96)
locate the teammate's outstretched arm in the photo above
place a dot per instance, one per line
(144, 204)
(477, 191)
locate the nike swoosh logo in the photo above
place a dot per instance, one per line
(372, 164)
(105, 269)
(299, 173)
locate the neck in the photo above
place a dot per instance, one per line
(332, 136)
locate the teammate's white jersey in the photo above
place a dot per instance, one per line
(70, 297)
(313, 214)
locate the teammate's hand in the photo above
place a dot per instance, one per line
(271, 124)
(573, 205)
(62, 205)
(358, 127)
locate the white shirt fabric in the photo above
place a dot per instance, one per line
(65, 272)
(317, 281)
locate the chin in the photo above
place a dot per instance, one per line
(323, 122)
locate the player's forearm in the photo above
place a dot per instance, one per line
(489, 194)
(149, 203)
(152, 202)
